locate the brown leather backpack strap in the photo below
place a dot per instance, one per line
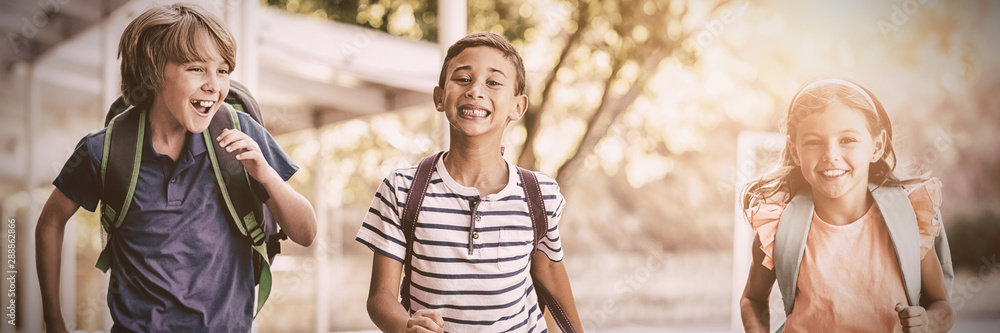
(414, 199)
(540, 225)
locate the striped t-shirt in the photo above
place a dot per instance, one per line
(470, 254)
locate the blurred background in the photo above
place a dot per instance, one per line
(650, 114)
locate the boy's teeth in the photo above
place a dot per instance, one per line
(834, 173)
(206, 104)
(475, 112)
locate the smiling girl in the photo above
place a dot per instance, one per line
(834, 191)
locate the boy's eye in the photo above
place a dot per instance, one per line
(224, 71)
(461, 80)
(195, 69)
(493, 83)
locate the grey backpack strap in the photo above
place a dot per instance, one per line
(901, 221)
(790, 245)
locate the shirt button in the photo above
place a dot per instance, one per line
(475, 235)
(173, 180)
(479, 218)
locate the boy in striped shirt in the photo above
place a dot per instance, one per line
(471, 262)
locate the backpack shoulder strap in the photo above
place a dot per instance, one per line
(540, 225)
(242, 206)
(536, 205)
(790, 245)
(123, 140)
(414, 199)
(900, 220)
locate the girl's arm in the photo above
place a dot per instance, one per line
(754, 304)
(383, 301)
(552, 275)
(939, 316)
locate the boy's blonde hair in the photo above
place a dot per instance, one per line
(167, 33)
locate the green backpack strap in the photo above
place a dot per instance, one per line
(790, 245)
(123, 139)
(900, 220)
(242, 205)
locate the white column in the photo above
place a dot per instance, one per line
(112, 29)
(247, 50)
(453, 24)
(321, 248)
(29, 308)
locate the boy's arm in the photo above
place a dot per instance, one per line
(754, 307)
(552, 275)
(383, 301)
(48, 247)
(290, 209)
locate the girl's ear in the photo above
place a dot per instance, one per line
(879, 143)
(438, 99)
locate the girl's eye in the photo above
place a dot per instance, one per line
(848, 140)
(813, 142)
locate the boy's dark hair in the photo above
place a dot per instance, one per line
(491, 40)
(168, 33)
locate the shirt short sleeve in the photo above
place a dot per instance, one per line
(926, 201)
(764, 219)
(273, 154)
(79, 179)
(381, 230)
(551, 245)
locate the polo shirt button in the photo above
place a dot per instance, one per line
(173, 180)
(479, 218)
(475, 236)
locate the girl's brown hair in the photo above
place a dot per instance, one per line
(168, 33)
(783, 183)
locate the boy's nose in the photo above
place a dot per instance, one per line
(212, 84)
(474, 92)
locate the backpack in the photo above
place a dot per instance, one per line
(539, 223)
(124, 137)
(900, 220)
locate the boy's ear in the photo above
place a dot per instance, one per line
(438, 99)
(879, 142)
(520, 107)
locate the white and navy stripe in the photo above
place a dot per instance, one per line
(471, 257)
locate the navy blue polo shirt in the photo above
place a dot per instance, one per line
(176, 264)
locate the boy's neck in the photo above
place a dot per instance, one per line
(166, 134)
(479, 166)
(844, 210)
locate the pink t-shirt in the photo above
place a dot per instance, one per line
(849, 278)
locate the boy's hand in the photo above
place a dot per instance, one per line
(425, 321)
(247, 152)
(913, 318)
